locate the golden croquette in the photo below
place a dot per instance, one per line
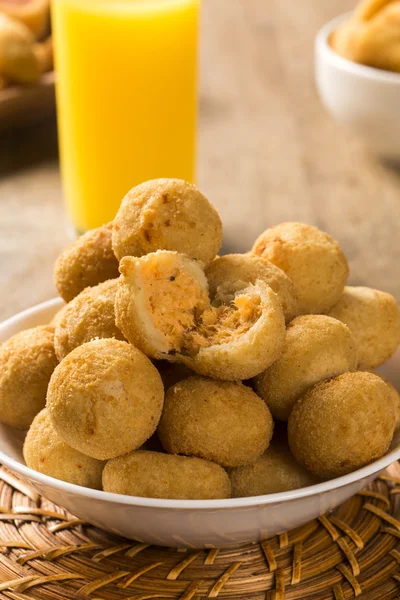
(45, 452)
(396, 399)
(56, 319)
(88, 316)
(86, 262)
(167, 214)
(221, 421)
(275, 471)
(163, 308)
(232, 271)
(27, 361)
(160, 296)
(373, 317)
(311, 258)
(105, 398)
(316, 348)
(157, 475)
(342, 424)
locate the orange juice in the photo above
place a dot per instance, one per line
(126, 98)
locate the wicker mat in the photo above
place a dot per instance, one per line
(48, 554)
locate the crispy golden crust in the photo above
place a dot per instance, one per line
(88, 316)
(316, 348)
(167, 214)
(45, 452)
(220, 421)
(243, 349)
(373, 318)
(275, 471)
(88, 261)
(342, 424)
(27, 361)
(105, 398)
(396, 400)
(232, 271)
(311, 258)
(157, 475)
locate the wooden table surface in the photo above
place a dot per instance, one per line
(268, 152)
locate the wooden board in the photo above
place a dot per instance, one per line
(20, 105)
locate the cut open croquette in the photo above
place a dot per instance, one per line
(46, 452)
(342, 424)
(27, 361)
(221, 421)
(311, 258)
(86, 262)
(88, 316)
(275, 471)
(167, 214)
(157, 475)
(373, 317)
(105, 398)
(316, 348)
(235, 271)
(163, 308)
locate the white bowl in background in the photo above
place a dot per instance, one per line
(365, 99)
(186, 523)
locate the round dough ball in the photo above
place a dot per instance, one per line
(221, 421)
(158, 475)
(311, 258)
(231, 271)
(342, 424)
(316, 348)
(88, 316)
(45, 452)
(373, 318)
(167, 214)
(27, 361)
(105, 398)
(275, 471)
(88, 261)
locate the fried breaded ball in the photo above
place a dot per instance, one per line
(163, 308)
(105, 398)
(342, 424)
(88, 261)
(167, 214)
(316, 348)
(221, 421)
(45, 452)
(57, 317)
(157, 475)
(396, 400)
(27, 361)
(311, 258)
(373, 317)
(88, 316)
(275, 471)
(237, 270)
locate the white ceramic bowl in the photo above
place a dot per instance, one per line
(365, 99)
(186, 523)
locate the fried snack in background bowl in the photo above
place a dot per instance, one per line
(372, 35)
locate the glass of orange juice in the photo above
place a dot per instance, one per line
(126, 98)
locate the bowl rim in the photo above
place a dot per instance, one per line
(326, 486)
(324, 49)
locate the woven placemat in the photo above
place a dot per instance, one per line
(48, 554)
